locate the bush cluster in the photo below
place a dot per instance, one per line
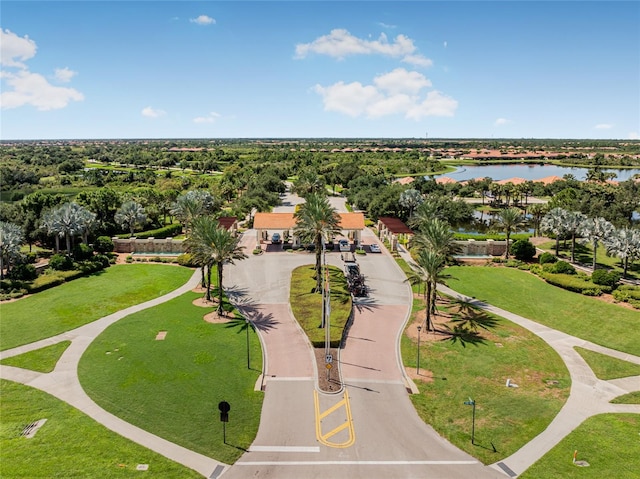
(523, 250)
(160, 233)
(606, 278)
(546, 257)
(559, 267)
(186, 259)
(629, 294)
(574, 283)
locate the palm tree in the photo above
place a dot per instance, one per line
(316, 221)
(554, 222)
(436, 235)
(10, 240)
(69, 220)
(573, 226)
(212, 244)
(130, 215)
(411, 199)
(430, 266)
(537, 211)
(509, 219)
(625, 244)
(596, 230)
(191, 205)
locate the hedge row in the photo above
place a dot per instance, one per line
(164, 232)
(575, 283)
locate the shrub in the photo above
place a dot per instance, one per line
(604, 277)
(287, 246)
(103, 260)
(60, 262)
(82, 252)
(186, 259)
(627, 293)
(523, 250)
(257, 251)
(562, 267)
(26, 272)
(46, 281)
(164, 232)
(573, 283)
(103, 244)
(30, 258)
(547, 258)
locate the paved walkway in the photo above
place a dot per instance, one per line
(588, 397)
(63, 383)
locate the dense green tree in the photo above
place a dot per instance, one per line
(130, 215)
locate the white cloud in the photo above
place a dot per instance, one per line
(633, 135)
(502, 121)
(152, 112)
(603, 126)
(210, 118)
(33, 89)
(203, 20)
(393, 93)
(340, 44)
(401, 81)
(386, 25)
(14, 49)
(64, 75)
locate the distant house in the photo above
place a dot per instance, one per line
(230, 223)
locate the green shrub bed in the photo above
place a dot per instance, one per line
(575, 283)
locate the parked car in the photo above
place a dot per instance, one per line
(276, 238)
(344, 245)
(374, 248)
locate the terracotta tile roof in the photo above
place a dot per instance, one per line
(394, 225)
(513, 181)
(275, 221)
(227, 221)
(548, 179)
(405, 180)
(352, 221)
(444, 180)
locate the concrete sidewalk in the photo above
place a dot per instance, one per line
(64, 384)
(588, 397)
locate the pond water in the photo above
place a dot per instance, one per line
(530, 172)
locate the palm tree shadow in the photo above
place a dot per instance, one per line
(365, 304)
(464, 336)
(251, 315)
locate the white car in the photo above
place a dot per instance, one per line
(344, 245)
(374, 248)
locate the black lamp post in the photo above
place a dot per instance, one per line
(418, 365)
(248, 324)
(472, 403)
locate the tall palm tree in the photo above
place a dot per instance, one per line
(213, 245)
(69, 220)
(554, 222)
(316, 221)
(625, 244)
(130, 215)
(191, 205)
(537, 211)
(10, 240)
(573, 226)
(430, 266)
(596, 230)
(509, 219)
(436, 235)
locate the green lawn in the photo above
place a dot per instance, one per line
(527, 295)
(70, 444)
(606, 367)
(307, 305)
(83, 300)
(631, 398)
(42, 360)
(608, 442)
(172, 387)
(506, 418)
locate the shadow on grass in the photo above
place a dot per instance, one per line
(464, 336)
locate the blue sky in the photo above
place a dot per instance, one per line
(161, 69)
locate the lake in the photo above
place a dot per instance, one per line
(529, 172)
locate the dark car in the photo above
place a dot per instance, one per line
(276, 238)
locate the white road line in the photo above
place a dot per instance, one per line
(284, 449)
(353, 463)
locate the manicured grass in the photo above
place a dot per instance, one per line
(172, 387)
(307, 305)
(42, 360)
(69, 444)
(527, 295)
(608, 442)
(605, 367)
(631, 398)
(506, 418)
(84, 300)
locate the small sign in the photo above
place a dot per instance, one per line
(224, 406)
(329, 366)
(328, 359)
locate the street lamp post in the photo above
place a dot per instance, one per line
(418, 365)
(472, 403)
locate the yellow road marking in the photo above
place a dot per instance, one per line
(348, 424)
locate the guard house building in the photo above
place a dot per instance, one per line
(393, 230)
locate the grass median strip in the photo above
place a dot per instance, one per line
(172, 388)
(43, 360)
(84, 300)
(606, 367)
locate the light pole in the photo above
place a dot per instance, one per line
(418, 365)
(248, 324)
(472, 403)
